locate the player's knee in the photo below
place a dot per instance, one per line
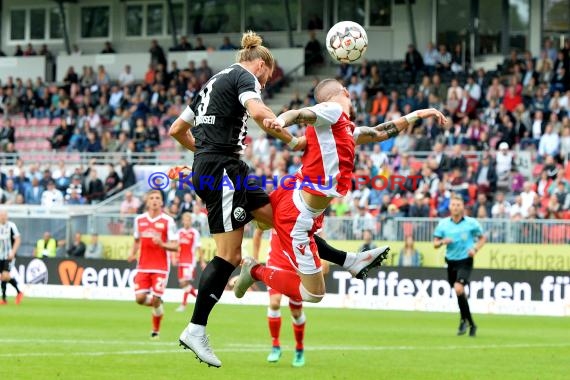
(310, 297)
(140, 299)
(459, 288)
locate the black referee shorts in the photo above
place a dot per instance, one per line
(221, 182)
(459, 271)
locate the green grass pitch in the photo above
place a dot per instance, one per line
(80, 339)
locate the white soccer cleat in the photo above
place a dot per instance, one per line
(367, 260)
(181, 308)
(200, 345)
(244, 280)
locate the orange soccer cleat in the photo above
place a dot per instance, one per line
(174, 172)
(3, 302)
(19, 298)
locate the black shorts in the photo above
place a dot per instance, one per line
(221, 182)
(5, 266)
(459, 270)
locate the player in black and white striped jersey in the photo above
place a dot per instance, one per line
(9, 243)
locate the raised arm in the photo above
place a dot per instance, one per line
(385, 131)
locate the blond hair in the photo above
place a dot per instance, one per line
(457, 197)
(252, 49)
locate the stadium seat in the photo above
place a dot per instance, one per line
(44, 122)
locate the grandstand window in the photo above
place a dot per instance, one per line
(18, 24)
(154, 19)
(312, 14)
(353, 10)
(55, 27)
(37, 24)
(260, 15)
(178, 10)
(216, 16)
(380, 13)
(95, 21)
(134, 25)
(556, 15)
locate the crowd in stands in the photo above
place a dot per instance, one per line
(495, 118)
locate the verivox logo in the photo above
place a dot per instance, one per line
(71, 274)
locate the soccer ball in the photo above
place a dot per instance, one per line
(347, 41)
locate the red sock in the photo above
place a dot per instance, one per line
(299, 334)
(156, 322)
(299, 330)
(284, 281)
(185, 298)
(192, 291)
(274, 329)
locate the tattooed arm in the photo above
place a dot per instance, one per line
(260, 112)
(385, 131)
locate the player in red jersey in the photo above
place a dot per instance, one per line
(155, 234)
(186, 257)
(327, 165)
(277, 260)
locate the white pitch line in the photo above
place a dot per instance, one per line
(258, 348)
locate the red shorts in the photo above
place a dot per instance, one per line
(185, 272)
(296, 226)
(150, 282)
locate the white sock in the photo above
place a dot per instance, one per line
(300, 320)
(158, 311)
(273, 313)
(196, 329)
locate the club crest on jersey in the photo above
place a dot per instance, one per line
(348, 130)
(239, 214)
(159, 225)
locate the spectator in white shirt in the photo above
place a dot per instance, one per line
(549, 144)
(51, 196)
(94, 249)
(527, 197)
(116, 97)
(504, 160)
(517, 208)
(362, 221)
(130, 204)
(501, 208)
(431, 58)
(126, 78)
(378, 157)
(473, 88)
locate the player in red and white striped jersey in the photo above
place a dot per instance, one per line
(186, 257)
(155, 234)
(326, 170)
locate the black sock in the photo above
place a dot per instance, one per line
(4, 290)
(212, 284)
(328, 253)
(14, 283)
(464, 308)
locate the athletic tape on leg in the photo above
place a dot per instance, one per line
(308, 296)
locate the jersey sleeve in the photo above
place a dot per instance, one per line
(248, 87)
(188, 115)
(327, 113)
(14, 230)
(439, 231)
(197, 242)
(477, 228)
(172, 230)
(136, 233)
